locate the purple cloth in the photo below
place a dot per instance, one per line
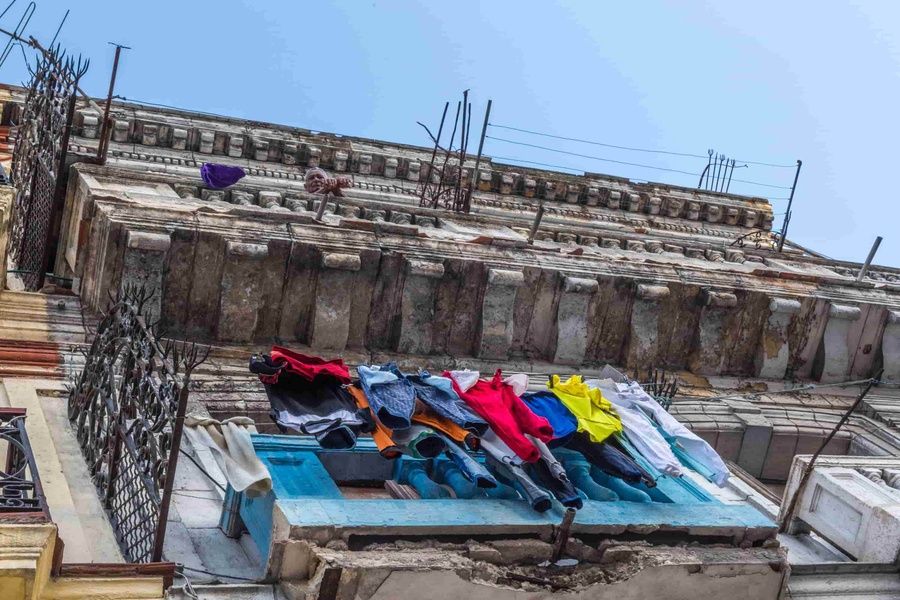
(219, 177)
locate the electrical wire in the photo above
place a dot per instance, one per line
(588, 156)
(621, 162)
(533, 162)
(188, 587)
(630, 148)
(202, 470)
(235, 577)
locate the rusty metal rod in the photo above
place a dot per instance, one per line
(537, 222)
(437, 194)
(792, 505)
(437, 143)
(474, 178)
(868, 263)
(105, 128)
(171, 466)
(463, 141)
(37, 46)
(787, 214)
(562, 535)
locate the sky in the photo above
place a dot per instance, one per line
(767, 82)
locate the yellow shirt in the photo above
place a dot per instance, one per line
(594, 413)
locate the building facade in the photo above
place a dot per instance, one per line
(642, 276)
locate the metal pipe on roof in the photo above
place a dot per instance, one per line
(872, 251)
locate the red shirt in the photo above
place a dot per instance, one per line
(308, 367)
(507, 415)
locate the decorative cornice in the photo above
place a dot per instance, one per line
(281, 151)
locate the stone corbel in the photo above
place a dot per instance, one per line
(207, 141)
(417, 306)
(331, 316)
(120, 130)
(261, 150)
(484, 181)
(179, 138)
(341, 158)
(633, 201)
(235, 146)
(144, 263)
(643, 334)
(709, 353)
(390, 167)
(572, 319)
(412, 170)
(90, 125)
(890, 347)
(313, 157)
(239, 302)
(614, 199)
(773, 352)
(289, 153)
(497, 308)
(365, 164)
(834, 354)
(149, 134)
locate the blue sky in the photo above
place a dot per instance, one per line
(763, 81)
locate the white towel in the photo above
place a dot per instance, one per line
(232, 449)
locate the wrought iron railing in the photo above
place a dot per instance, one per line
(20, 486)
(39, 158)
(662, 386)
(127, 408)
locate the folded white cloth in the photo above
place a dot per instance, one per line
(232, 449)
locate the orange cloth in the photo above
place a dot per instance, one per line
(381, 434)
(424, 415)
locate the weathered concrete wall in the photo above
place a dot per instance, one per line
(506, 570)
(243, 276)
(373, 280)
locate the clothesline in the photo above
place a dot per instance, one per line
(578, 438)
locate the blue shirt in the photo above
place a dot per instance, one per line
(547, 405)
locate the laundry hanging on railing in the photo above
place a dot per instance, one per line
(219, 177)
(231, 448)
(579, 439)
(307, 395)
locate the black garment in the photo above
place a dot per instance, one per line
(514, 476)
(554, 478)
(610, 459)
(321, 408)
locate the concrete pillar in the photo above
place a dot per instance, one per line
(643, 333)
(497, 312)
(709, 353)
(757, 435)
(334, 296)
(890, 347)
(417, 306)
(239, 302)
(572, 320)
(143, 264)
(834, 353)
(773, 352)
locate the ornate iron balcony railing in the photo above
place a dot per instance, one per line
(20, 486)
(127, 409)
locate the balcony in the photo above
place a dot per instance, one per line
(21, 495)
